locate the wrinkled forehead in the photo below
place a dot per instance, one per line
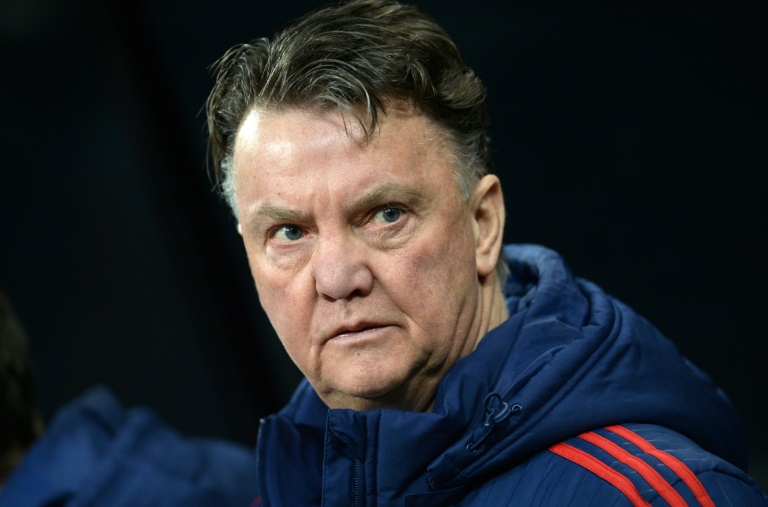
(278, 128)
(294, 140)
(360, 121)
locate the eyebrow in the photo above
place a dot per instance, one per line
(278, 214)
(388, 192)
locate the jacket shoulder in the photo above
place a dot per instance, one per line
(98, 453)
(623, 465)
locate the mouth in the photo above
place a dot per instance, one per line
(360, 331)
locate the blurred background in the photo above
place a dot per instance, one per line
(633, 140)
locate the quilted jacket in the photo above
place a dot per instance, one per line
(97, 453)
(575, 400)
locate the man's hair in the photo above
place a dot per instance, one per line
(19, 421)
(357, 57)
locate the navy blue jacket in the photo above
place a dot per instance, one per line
(96, 453)
(575, 400)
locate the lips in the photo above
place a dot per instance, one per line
(356, 331)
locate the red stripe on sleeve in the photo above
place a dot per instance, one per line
(645, 470)
(680, 468)
(602, 470)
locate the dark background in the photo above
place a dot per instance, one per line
(630, 138)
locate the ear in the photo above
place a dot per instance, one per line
(487, 207)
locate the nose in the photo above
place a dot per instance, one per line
(339, 264)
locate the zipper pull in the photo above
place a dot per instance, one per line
(496, 410)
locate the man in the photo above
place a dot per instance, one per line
(352, 149)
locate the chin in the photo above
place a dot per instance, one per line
(367, 394)
(372, 394)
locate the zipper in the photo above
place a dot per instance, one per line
(358, 483)
(496, 411)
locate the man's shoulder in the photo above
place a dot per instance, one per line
(630, 464)
(96, 452)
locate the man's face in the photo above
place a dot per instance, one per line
(363, 253)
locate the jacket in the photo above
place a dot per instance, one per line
(575, 400)
(97, 453)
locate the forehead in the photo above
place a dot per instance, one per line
(300, 165)
(267, 139)
(356, 124)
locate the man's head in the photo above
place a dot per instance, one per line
(354, 57)
(352, 149)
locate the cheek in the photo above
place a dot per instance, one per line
(449, 251)
(281, 300)
(289, 316)
(437, 273)
(278, 300)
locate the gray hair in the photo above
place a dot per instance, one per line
(357, 57)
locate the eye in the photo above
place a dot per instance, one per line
(289, 233)
(388, 214)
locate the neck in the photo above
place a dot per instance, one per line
(492, 308)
